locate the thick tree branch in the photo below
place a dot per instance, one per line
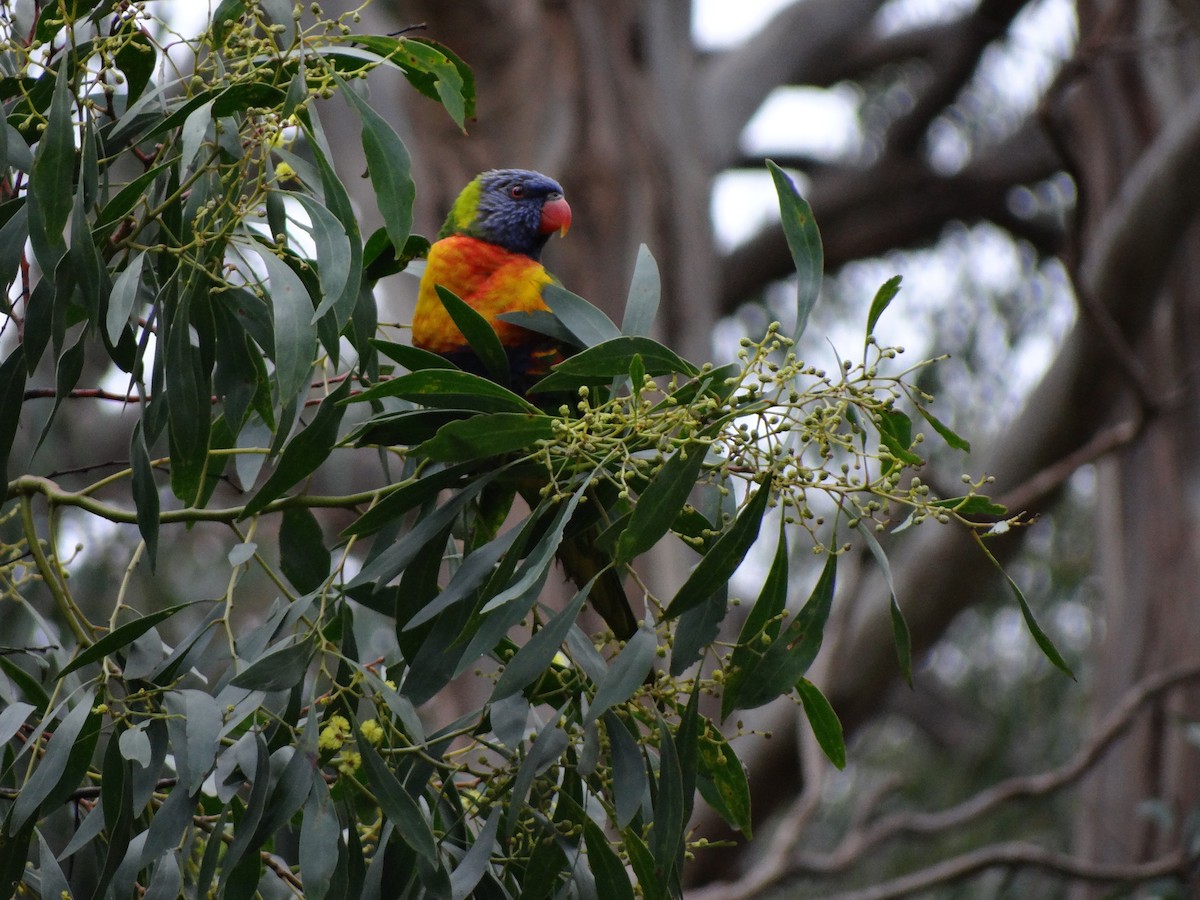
(896, 203)
(795, 46)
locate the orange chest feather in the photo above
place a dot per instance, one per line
(489, 278)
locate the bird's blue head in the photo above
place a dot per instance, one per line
(514, 208)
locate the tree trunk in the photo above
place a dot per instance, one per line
(1149, 540)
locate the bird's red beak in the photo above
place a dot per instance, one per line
(556, 216)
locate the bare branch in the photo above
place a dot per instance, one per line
(780, 863)
(1022, 855)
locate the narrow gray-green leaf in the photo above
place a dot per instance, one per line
(804, 242)
(660, 503)
(626, 673)
(533, 658)
(49, 199)
(630, 786)
(320, 832)
(12, 717)
(121, 636)
(723, 557)
(53, 764)
(388, 165)
(291, 317)
(305, 452)
(278, 670)
(900, 631)
(123, 297)
(471, 867)
(334, 260)
(587, 323)
(396, 803)
(478, 331)
(641, 306)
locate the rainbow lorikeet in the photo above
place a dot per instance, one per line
(488, 254)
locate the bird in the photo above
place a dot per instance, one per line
(488, 252)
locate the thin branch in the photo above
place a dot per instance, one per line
(780, 864)
(1039, 486)
(1023, 855)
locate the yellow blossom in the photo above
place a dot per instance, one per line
(334, 734)
(372, 731)
(349, 762)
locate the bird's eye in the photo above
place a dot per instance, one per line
(517, 191)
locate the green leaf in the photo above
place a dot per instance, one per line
(650, 879)
(475, 862)
(612, 881)
(479, 334)
(50, 194)
(388, 165)
(410, 495)
(123, 297)
(900, 631)
(12, 398)
(612, 358)
(588, 324)
(303, 557)
(884, 296)
(722, 780)
(723, 557)
(412, 358)
(1040, 637)
(474, 570)
(66, 377)
(764, 620)
(895, 431)
(305, 452)
(136, 58)
(804, 241)
(535, 657)
(666, 832)
(630, 786)
(947, 433)
(641, 306)
(547, 747)
(487, 435)
(788, 656)
(659, 504)
(381, 258)
(335, 261)
(448, 389)
(120, 637)
(430, 67)
(295, 337)
(12, 718)
(408, 426)
(52, 770)
(396, 558)
(824, 722)
(625, 674)
(278, 670)
(135, 193)
(320, 847)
